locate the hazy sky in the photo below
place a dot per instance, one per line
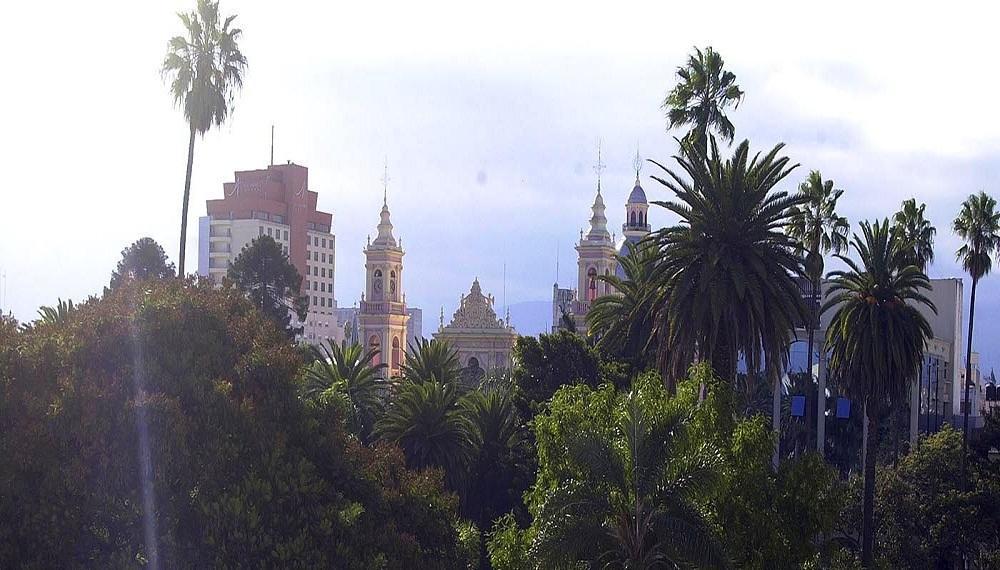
(489, 118)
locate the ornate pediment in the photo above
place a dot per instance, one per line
(475, 311)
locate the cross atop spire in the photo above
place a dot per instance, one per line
(599, 166)
(385, 181)
(637, 163)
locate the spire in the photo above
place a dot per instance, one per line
(385, 237)
(598, 167)
(598, 221)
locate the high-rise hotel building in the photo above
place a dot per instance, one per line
(276, 202)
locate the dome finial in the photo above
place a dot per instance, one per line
(637, 164)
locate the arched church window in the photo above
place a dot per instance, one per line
(632, 218)
(392, 285)
(377, 285)
(374, 344)
(397, 352)
(591, 284)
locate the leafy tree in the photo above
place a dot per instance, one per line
(205, 67)
(186, 391)
(933, 515)
(818, 229)
(626, 497)
(700, 98)
(346, 371)
(430, 361)
(142, 260)
(59, 314)
(543, 364)
(429, 421)
(264, 273)
(876, 337)
(978, 224)
(624, 322)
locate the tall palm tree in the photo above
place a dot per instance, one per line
(624, 322)
(876, 337)
(431, 360)
(916, 230)
(728, 268)
(205, 67)
(631, 504)
(978, 224)
(819, 230)
(430, 422)
(347, 371)
(703, 92)
(913, 228)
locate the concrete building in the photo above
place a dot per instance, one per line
(276, 202)
(483, 342)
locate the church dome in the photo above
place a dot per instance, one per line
(638, 195)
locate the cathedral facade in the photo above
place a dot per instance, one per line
(597, 255)
(482, 341)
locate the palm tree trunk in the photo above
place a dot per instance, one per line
(184, 207)
(968, 374)
(811, 327)
(868, 516)
(775, 413)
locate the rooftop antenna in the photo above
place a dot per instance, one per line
(599, 166)
(272, 144)
(557, 262)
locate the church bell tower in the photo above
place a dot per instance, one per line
(382, 316)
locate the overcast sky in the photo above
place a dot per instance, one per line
(489, 118)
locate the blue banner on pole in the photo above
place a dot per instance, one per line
(798, 406)
(843, 408)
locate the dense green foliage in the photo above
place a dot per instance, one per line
(770, 519)
(240, 468)
(266, 276)
(431, 361)
(142, 260)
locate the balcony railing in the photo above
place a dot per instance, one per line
(382, 307)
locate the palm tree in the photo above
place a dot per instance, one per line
(347, 371)
(205, 68)
(430, 422)
(915, 230)
(58, 314)
(701, 96)
(431, 360)
(624, 322)
(631, 504)
(728, 269)
(876, 337)
(978, 224)
(819, 230)
(502, 439)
